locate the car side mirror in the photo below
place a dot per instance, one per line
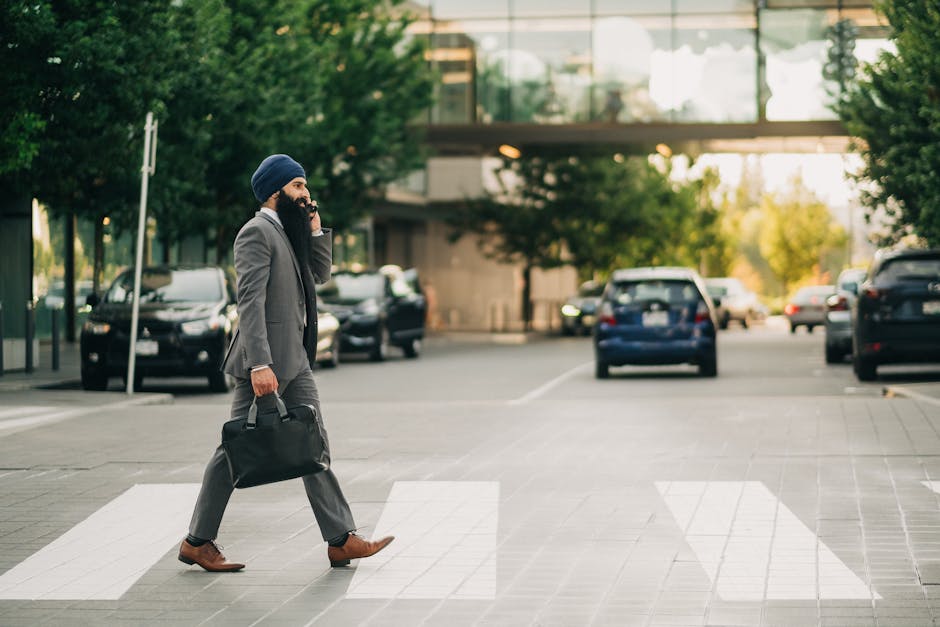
(92, 300)
(716, 300)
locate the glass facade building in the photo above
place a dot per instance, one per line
(563, 62)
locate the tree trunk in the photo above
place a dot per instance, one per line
(70, 277)
(98, 267)
(220, 248)
(527, 298)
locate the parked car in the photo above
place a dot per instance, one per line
(376, 310)
(808, 307)
(328, 340)
(838, 321)
(579, 313)
(733, 301)
(187, 317)
(55, 298)
(896, 318)
(656, 315)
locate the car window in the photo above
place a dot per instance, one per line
(906, 269)
(589, 291)
(196, 285)
(352, 287)
(671, 292)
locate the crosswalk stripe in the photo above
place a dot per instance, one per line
(445, 545)
(755, 546)
(24, 410)
(101, 557)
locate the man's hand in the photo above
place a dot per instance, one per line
(263, 381)
(314, 221)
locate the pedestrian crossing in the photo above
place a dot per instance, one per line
(746, 541)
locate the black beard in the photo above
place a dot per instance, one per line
(295, 218)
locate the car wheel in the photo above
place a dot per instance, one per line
(220, 383)
(412, 348)
(723, 323)
(333, 361)
(865, 369)
(792, 328)
(833, 355)
(567, 331)
(809, 328)
(601, 369)
(744, 323)
(709, 365)
(379, 350)
(94, 381)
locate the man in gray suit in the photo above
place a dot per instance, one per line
(280, 254)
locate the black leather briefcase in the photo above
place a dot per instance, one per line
(275, 444)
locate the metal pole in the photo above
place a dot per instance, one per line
(1, 339)
(146, 170)
(30, 331)
(55, 338)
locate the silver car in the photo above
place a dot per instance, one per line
(838, 321)
(808, 307)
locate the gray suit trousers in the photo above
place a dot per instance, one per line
(326, 498)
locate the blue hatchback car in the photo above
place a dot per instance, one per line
(654, 316)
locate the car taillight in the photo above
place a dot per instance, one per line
(873, 292)
(606, 314)
(701, 313)
(791, 309)
(837, 303)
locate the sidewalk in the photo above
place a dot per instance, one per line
(68, 377)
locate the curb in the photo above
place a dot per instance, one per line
(895, 390)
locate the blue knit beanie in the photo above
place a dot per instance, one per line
(274, 173)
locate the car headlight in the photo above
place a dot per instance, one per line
(570, 310)
(201, 327)
(96, 328)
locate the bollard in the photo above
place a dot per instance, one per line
(1, 339)
(55, 338)
(30, 331)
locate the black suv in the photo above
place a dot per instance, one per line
(187, 317)
(896, 318)
(376, 309)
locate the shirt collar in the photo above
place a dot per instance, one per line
(272, 214)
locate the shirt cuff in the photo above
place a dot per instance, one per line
(255, 368)
(317, 233)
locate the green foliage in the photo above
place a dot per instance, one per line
(895, 110)
(596, 214)
(335, 84)
(798, 235)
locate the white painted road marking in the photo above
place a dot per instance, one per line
(755, 546)
(28, 416)
(542, 389)
(105, 554)
(445, 543)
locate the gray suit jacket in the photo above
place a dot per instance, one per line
(271, 305)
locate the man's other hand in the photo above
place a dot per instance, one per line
(263, 381)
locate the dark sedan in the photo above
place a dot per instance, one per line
(186, 319)
(376, 310)
(579, 313)
(896, 317)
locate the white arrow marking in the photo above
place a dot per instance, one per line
(105, 554)
(755, 546)
(445, 543)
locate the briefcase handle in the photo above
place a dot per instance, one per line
(253, 410)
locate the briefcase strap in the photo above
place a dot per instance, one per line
(253, 410)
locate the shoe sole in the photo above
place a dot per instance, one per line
(189, 561)
(339, 563)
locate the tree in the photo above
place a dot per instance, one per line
(797, 233)
(595, 213)
(894, 109)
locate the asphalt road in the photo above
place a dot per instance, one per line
(522, 491)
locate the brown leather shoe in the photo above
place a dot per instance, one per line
(208, 556)
(355, 548)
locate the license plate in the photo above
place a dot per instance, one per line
(147, 347)
(931, 307)
(655, 318)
